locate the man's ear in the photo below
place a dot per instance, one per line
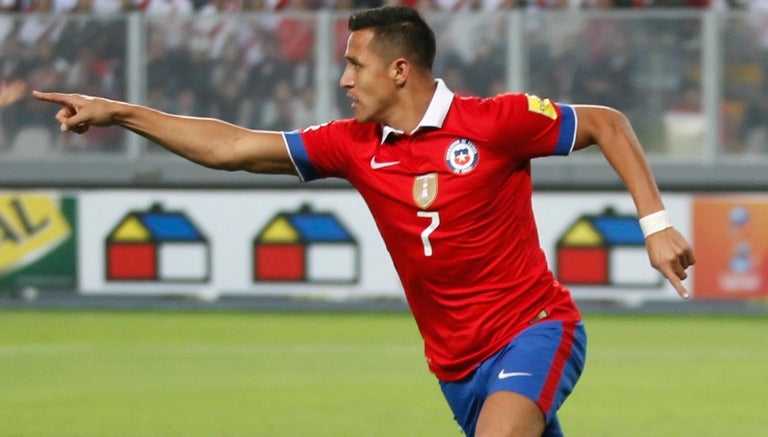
(401, 69)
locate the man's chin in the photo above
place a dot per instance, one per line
(364, 116)
(360, 118)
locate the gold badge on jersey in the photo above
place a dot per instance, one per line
(425, 190)
(543, 107)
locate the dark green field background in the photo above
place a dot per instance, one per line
(153, 373)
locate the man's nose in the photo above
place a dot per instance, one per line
(345, 81)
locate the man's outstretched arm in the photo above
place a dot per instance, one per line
(206, 141)
(668, 251)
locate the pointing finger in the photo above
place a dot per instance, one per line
(62, 99)
(676, 282)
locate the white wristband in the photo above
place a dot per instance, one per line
(652, 223)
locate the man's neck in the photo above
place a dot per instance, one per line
(412, 104)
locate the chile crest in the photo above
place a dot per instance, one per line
(461, 156)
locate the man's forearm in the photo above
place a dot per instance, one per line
(623, 150)
(206, 141)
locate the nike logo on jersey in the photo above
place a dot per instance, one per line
(377, 165)
(505, 375)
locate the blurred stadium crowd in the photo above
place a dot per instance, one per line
(229, 6)
(231, 60)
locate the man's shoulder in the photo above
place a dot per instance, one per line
(485, 111)
(484, 104)
(350, 128)
(473, 100)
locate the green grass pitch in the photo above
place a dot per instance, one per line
(120, 373)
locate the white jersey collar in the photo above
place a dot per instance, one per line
(435, 115)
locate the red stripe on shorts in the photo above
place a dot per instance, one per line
(562, 356)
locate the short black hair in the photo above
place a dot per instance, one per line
(398, 31)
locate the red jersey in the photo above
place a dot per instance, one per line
(452, 201)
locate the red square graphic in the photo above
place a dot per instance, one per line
(133, 261)
(278, 262)
(582, 265)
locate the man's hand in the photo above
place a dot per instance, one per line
(79, 112)
(670, 253)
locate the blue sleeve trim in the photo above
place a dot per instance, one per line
(567, 138)
(298, 153)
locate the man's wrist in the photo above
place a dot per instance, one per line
(653, 223)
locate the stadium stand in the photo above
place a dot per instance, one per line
(689, 73)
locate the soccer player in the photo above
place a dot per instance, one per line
(447, 179)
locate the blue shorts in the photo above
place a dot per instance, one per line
(542, 363)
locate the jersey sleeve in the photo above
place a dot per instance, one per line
(537, 127)
(319, 151)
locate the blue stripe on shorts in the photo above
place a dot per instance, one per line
(542, 363)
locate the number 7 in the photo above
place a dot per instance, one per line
(435, 217)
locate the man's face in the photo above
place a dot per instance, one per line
(368, 79)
